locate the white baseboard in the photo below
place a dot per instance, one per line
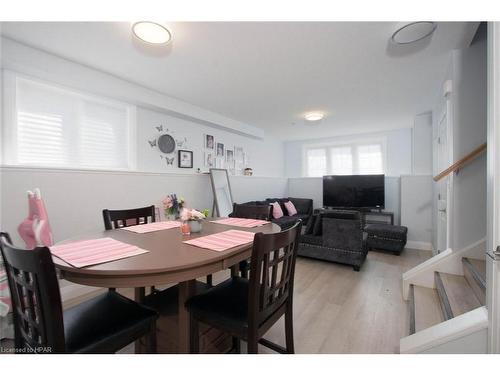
(419, 245)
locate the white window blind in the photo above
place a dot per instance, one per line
(354, 158)
(56, 127)
(316, 162)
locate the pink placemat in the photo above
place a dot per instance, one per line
(153, 227)
(239, 222)
(223, 241)
(86, 253)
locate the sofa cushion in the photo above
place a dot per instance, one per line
(290, 208)
(303, 205)
(281, 202)
(277, 210)
(285, 222)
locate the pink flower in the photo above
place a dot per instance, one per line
(189, 214)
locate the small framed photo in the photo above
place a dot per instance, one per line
(229, 157)
(209, 142)
(209, 159)
(238, 154)
(185, 159)
(220, 149)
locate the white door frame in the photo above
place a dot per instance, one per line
(493, 190)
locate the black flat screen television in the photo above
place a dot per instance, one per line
(357, 191)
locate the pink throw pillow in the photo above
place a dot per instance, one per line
(277, 211)
(290, 207)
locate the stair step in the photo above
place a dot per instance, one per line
(456, 295)
(475, 274)
(426, 308)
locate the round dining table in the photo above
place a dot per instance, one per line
(168, 260)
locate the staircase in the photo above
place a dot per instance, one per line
(450, 316)
(454, 295)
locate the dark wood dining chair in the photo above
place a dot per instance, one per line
(114, 219)
(248, 308)
(104, 324)
(246, 211)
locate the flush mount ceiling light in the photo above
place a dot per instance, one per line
(314, 116)
(151, 32)
(413, 32)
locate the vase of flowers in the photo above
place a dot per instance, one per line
(191, 221)
(172, 206)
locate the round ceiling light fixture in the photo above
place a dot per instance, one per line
(413, 32)
(151, 32)
(314, 116)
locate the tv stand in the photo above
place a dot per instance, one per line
(377, 216)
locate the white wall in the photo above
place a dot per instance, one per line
(265, 155)
(469, 131)
(422, 144)
(398, 151)
(416, 210)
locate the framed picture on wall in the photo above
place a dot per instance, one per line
(209, 142)
(220, 149)
(209, 159)
(185, 159)
(229, 157)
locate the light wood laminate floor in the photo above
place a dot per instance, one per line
(337, 310)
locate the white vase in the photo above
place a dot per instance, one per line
(195, 226)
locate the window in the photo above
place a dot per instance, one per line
(316, 162)
(55, 127)
(355, 158)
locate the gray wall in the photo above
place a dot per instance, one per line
(469, 131)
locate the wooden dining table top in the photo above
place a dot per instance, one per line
(167, 251)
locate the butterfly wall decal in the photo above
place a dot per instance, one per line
(152, 143)
(170, 161)
(159, 128)
(181, 142)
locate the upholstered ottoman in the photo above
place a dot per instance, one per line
(386, 237)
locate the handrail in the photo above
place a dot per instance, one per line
(459, 164)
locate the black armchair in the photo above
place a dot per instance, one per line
(336, 236)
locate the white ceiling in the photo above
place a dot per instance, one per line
(269, 74)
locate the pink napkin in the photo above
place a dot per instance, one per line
(239, 222)
(86, 253)
(223, 241)
(153, 227)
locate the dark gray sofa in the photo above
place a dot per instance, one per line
(304, 210)
(335, 236)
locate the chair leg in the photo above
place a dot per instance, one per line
(195, 336)
(244, 269)
(290, 348)
(253, 344)
(151, 349)
(236, 345)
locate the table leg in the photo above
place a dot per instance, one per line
(186, 290)
(139, 293)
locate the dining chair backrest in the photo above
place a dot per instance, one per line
(246, 211)
(36, 300)
(114, 219)
(272, 269)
